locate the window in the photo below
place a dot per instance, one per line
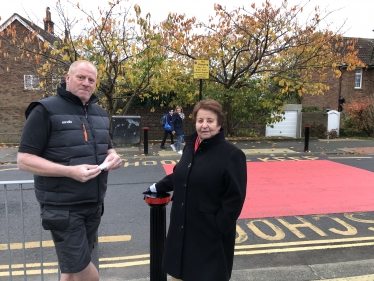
(31, 82)
(57, 79)
(358, 78)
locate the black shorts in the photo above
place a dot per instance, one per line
(73, 233)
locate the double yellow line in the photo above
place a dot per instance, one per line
(52, 267)
(136, 260)
(312, 245)
(49, 243)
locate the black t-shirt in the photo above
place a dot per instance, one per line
(36, 132)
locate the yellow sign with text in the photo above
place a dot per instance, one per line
(201, 69)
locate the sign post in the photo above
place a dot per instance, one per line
(201, 71)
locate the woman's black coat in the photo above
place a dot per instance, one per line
(209, 191)
(177, 124)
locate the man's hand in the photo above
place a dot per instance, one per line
(113, 161)
(84, 172)
(42, 167)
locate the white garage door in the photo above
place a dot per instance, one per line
(285, 128)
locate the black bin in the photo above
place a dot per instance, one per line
(126, 130)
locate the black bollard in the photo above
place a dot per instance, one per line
(306, 145)
(145, 129)
(158, 203)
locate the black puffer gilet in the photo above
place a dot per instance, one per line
(67, 145)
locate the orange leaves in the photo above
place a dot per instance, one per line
(361, 110)
(357, 106)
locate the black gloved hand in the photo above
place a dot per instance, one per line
(151, 189)
(148, 191)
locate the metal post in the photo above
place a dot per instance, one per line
(23, 233)
(7, 224)
(158, 203)
(201, 90)
(145, 129)
(306, 145)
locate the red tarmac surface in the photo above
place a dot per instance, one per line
(290, 188)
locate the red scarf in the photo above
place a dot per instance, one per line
(197, 143)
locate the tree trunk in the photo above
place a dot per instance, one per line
(227, 109)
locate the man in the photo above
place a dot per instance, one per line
(167, 132)
(65, 138)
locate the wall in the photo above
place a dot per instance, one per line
(317, 122)
(330, 98)
(14, 99)
(151, 120)
(10, 131)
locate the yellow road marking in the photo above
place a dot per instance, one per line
(124, 258)
(101, 260)
(55, 264)
(9, 169)
(29, 265)
(117, 238)
(349, 157)
(354, 278)
(49, 243)
(29, 272)
(310, 242)
(268, 151)
(136, 260)
(296, 249)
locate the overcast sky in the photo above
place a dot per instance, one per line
(357, 13)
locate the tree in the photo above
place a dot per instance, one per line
(125, 50)
(258, 50)
(361, 112)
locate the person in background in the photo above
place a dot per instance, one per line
(177, 129)
(209, 188)
(182, 116)
(64, 140)
(167, 132)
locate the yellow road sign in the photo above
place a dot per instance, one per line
(201, 69)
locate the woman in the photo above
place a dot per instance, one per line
(209, 188)
(177, 129)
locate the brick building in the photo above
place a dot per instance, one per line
(20, 42)
(351, 84)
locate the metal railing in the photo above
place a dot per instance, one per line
(11, 218)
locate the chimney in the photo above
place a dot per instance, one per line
(48, 23)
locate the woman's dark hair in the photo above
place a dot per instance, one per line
(212, 105)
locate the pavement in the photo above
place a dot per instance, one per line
(251, 147)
